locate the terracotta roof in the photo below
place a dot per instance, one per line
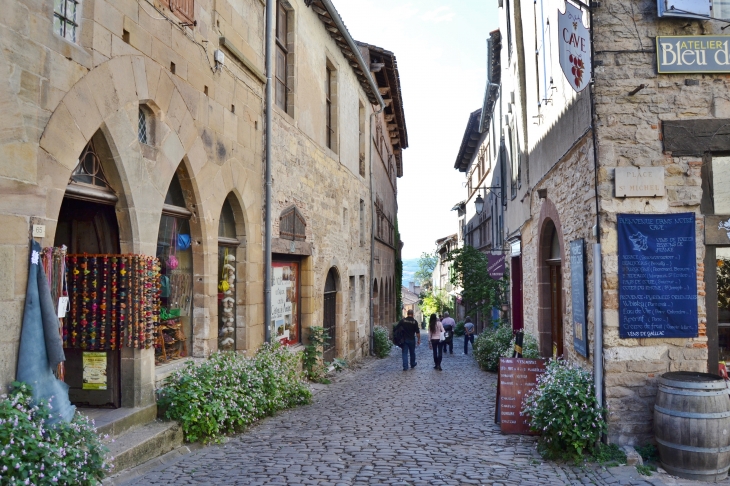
(326, 15)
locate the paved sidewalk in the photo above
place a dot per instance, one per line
(378, 424)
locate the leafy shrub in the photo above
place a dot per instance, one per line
(563, 408)
(314, 367)
(645, 469)
(529, 347)
(32, 452)
(339, 364)
(609, 455)
(459, 329)
(381, 342)
(492, 344)
(648, 452)
(228, 391)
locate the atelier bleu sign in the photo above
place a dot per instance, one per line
(657, 275)
(693, 54)
(578, 296)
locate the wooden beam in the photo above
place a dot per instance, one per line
(384, 91)
(389, 118)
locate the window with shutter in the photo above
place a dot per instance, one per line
(184, 9)
(292, 225)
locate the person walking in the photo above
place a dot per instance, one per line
(435, 332)
(409, 327)
(449, 326)
(468, 334)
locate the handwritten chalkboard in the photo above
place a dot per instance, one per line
(578, 296)
(657, 275)
(517, 376)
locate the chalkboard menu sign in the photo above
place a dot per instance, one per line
(517, 376)
(657, 275)
(578, 296)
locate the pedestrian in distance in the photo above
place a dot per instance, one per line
(468, 334)
(449, 326)
(407, 328)
(435, 337)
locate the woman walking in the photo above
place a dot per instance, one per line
(435, 332)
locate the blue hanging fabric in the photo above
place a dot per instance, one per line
(41, 347)
(183, 241)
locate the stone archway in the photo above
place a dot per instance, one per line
(107, 99)
(551, 302)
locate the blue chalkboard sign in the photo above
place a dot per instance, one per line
(578, 296)
(657, 275)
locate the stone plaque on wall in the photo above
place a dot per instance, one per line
(639, 181)
(717, 229)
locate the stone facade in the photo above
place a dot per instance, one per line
(548, 177)
(205, 124)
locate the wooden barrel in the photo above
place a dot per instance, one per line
(692, 425)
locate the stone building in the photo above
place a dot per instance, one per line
(389, 137)
(136, 127)
(569, 140)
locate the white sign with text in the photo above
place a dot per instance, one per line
(574, 44)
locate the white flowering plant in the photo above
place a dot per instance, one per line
(33, 452)
(229, 391)
(381, 342)
(563, 409)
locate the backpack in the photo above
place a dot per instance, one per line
(399, 335)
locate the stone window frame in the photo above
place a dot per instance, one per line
(62, 21)
(362, 137)
(331, 105)
(285, 44)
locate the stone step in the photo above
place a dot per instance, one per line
(142, 444)
(115, 422)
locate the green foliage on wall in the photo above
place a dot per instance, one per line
(479, 291)
(398, 274)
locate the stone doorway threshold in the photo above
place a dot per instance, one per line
(134, 435)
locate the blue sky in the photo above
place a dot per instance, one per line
(441, 50)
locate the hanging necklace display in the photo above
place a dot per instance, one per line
(85, 301)
(113, 311)
(73, 332)
(103, 289)
(227, 286)
(126, 336)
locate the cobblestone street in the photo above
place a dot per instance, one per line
(381, 425)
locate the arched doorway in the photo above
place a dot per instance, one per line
(87, 224)
(329, 321)
(381, 305)
(551, 292)
(376, 300)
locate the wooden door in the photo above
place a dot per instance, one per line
(556, 310)
(330, 316)
(87, 227)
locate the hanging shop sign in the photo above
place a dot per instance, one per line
(574, 44)
(657, 275)
(517, 376)
(495, 265)
(94, 373)
(578, 296)
(693, 54)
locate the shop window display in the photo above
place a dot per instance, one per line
(174, 251)
(227, 244)
(285, 294)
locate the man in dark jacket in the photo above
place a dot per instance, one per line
(411, 332)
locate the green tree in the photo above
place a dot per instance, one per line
(435, 302)
(479, 290)
(426, 264)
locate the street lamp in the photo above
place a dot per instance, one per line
(479, 202)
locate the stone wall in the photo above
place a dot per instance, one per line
(570, 205)
(629, 133)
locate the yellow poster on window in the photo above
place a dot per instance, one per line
(94, 371)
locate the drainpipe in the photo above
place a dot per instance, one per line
(597, 273)
(267, 149)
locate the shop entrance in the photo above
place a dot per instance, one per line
(87, 223)
(551, 292)
(330, 315)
